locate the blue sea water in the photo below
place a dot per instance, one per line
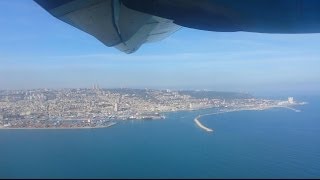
(274, 143)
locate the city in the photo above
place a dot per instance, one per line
(95, 107)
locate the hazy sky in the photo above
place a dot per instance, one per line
(39, 51)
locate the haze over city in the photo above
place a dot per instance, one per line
(39, 51)
(198, 104)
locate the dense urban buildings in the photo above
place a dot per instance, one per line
(95, 107)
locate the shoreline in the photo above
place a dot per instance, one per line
(197, 119)
(52, 128)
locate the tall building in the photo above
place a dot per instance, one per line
(290, 100)
(95, 87)
(115, 107)
(48, 111)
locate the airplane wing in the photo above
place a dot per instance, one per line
(111, 22)
(127, 24)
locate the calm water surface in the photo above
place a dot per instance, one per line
(263, 144)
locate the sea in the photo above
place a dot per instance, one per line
(273, 143)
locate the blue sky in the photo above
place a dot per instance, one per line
(39, 51)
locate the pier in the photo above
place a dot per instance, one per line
(293, 109)
(111, 124)
(196, 120)
(202, 126)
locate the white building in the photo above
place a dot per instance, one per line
(115, 107)
(290, 100)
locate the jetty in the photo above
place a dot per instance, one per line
(196, 120)
(293, 109)
(201, 125)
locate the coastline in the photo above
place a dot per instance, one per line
(196, 120)
(52, 128)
